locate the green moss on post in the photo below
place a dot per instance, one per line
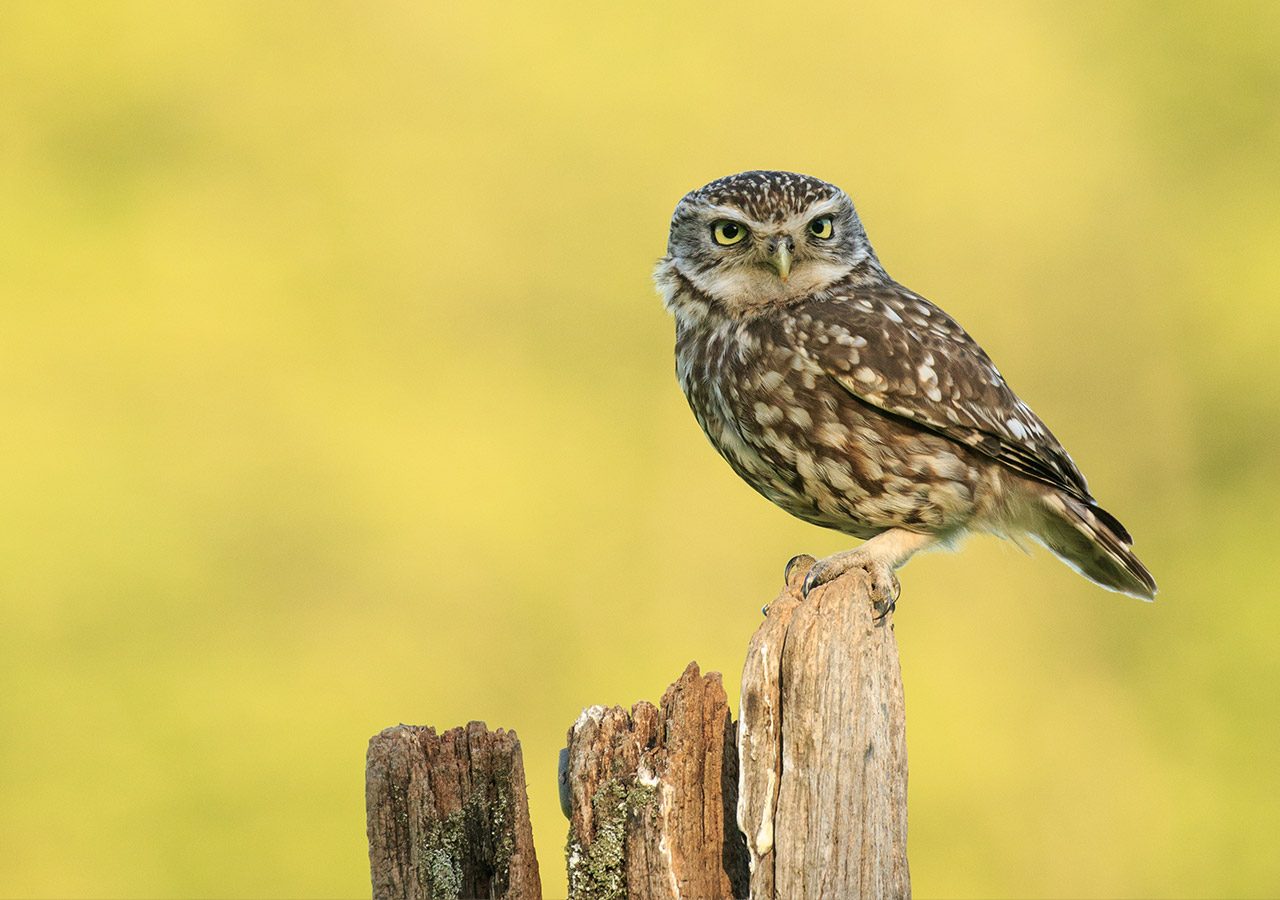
(440, 859)
(477, 831)
(447, 815)
(600, 872)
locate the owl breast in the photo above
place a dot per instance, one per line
(792, 433)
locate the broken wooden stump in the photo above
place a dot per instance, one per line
(651, 795)
(448, 816)
(806, 797)
(823, 751)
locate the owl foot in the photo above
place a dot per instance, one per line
(885, 587)
(792, 576)
(878, 557)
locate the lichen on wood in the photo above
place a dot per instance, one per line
(448, 816)
(651, 792)
(599, 871)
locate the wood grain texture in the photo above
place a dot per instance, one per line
(448, 815)
(823, 800)
(651, 794)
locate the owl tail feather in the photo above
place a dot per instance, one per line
(1091, 541)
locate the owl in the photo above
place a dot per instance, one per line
(856, 404)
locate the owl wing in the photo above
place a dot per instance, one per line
(897, 352)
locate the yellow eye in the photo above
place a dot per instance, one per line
(726, 232)
(821, 227)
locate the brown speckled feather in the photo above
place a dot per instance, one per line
(907, 357)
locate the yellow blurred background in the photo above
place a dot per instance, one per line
(335, 394)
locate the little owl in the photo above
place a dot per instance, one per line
(854, 403)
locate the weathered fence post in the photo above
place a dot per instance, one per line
(659, 798)
(650, 795)
(823, 749)
(447, 815)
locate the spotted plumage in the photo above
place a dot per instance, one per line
(854, 403)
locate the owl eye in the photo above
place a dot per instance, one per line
(821, 227)
(727, 233)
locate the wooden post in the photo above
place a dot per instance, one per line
(448, 816)
(650, 796)
(822, 741)
(656, 807)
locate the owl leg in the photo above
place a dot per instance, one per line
(878, 557)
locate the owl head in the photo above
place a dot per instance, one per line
(759, 238)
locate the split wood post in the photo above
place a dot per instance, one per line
(650, 794)
(823, 751)
(448, 816)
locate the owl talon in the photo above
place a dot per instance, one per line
(884, 595)
(810, 582)
(791, 564)
(798, 567)
(885, 587)
(822, 572)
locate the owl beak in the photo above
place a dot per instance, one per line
(781, 259)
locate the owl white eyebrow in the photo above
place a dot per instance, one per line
(817, 210)
(825, 207)
(733, 214)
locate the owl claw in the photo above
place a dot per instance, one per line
(796, 566)
(809, 583)
(820, 574)
(885, 597)
(884, 585)
(791, 564)
(884, 614)
(885, 590)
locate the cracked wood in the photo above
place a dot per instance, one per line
(823, 800)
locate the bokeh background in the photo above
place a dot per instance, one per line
(334, 394)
